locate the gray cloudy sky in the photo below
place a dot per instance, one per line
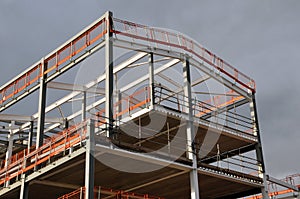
(259, 37)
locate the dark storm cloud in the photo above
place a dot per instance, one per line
(260, 37)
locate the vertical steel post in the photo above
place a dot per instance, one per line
(258, 147)
(83, 106)
(190, 130)
(8, 154)
(30, 136)
(42, 106)
(90, 160)
(151, 80)
(25, 185)
(24, 188)
(109, 74)
(118, 98)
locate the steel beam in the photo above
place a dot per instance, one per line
(90, 160)
(194, 83)
(142, 157)
(194, 186)
(179, 55)
(56, 184)
(74, 87)
(145, 77)
(170, 80)
(156, 181)
(282, 183)
(229, 84)
(68, 66)
(53, 76)
(25, 118)
(65, 99)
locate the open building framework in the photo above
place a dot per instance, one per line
(208, 146)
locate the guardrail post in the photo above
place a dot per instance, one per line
(89, 160)
(190, 130)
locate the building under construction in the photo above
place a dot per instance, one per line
(123, 110)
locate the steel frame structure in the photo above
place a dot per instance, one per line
(38, 146)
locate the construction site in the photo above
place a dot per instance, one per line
(156, 116)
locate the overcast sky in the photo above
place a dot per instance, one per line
(259, 37)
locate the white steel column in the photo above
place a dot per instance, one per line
(109, 74)
(24, 188)
(151, 80)
(83, 106)
(190, 130)
(8, 154)
(30, 136)
(90, 160)
(25, 185)
(42, 106)
(258, 147)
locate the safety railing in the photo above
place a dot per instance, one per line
(100, 192)
(127, 105)
(28, 160)
(229, 160)
(157, 36)
(55, 62)
(210, 108)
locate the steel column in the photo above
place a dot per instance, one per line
(42, 106)
(8, 154)
(118, 97)
(109, 74)
(25, 185)
(83, 106)
(90, 160)
(30, 136)
(190, 130)
(258, 147)
(151, 80)
(24, 188)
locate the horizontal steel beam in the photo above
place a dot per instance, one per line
(145, 77)
(142, 157)
(65, 99)
(179, 55)
(282, 183)
(25, 118)
(74, 87)
(54, 75)
(56, 184)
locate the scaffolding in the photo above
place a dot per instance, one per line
(165, 117)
